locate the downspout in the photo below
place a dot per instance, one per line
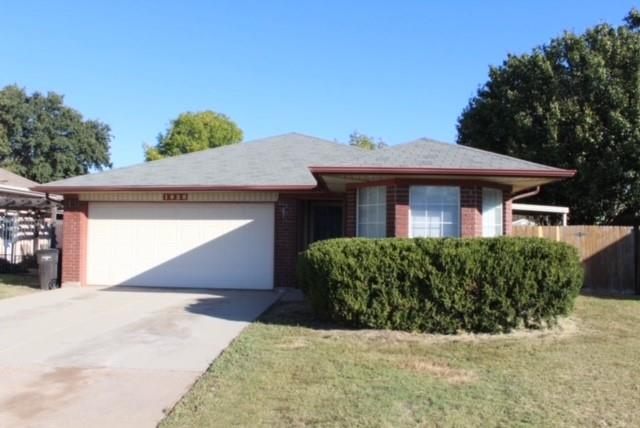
(533, 193)
(526, 195)
(48, 198)
(55, 205)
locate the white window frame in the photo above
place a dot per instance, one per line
(499, 222)
(459, 228)
(383, 203)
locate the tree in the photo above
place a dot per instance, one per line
(44, 140)
(192, 132)
(365, 142)
(573, 103)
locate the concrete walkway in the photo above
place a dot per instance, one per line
(112, 357)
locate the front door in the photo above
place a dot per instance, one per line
(326, 221)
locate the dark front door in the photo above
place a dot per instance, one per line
(326, 221)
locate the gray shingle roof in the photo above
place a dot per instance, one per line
(285, 160)
(426, 153)
(8, 178)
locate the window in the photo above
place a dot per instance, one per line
(491, 212)
(435, 211)
(372, 212)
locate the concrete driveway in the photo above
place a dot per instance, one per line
(112, 357)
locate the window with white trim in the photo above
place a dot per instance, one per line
(491, 212)
(435, 211)
(372, 212)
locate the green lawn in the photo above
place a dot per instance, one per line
(289, 370)
(15, 285)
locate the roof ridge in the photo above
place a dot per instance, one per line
(324, 140)
(185, 155)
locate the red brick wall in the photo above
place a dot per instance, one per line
(74, 242)
(286, 242)
(470, 211)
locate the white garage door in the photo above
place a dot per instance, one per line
(181, 245)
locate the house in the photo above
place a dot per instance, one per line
(236, 216)
(26, 218)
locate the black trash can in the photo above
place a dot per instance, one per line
(48, 268)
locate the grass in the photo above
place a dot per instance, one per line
(12, 285)
(290, 370)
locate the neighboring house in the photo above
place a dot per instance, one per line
(25, 217)
(14, 187)
(540, 214)
(236, 216)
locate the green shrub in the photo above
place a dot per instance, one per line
(441, 285)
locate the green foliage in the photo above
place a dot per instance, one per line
(44, 140)
(573, 103)
(365, 142)
(441, 285)
(192, 132)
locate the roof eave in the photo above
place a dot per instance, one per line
(543, 173)
(185, 188)
(23, 191)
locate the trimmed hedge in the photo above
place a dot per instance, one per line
(441, 285)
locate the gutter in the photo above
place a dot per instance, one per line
(23, 191)
(187, 188)
(554, 173)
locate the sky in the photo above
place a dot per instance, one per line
(395, 70)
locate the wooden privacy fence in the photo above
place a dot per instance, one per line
(609, 254)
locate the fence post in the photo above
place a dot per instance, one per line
(636, 258)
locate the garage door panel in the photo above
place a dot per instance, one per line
(181, 245)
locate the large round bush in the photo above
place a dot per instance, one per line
(441, 285)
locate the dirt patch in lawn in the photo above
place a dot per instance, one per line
(293, 343)
(565, 328)
(440, 371)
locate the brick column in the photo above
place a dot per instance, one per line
(350, 213)
(391, 210)
(286, 242)
(471, 211)
(398, 210)
(74, 242)
(507, 215)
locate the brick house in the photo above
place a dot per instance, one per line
(236, 216)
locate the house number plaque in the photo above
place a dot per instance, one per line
(175, 196)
